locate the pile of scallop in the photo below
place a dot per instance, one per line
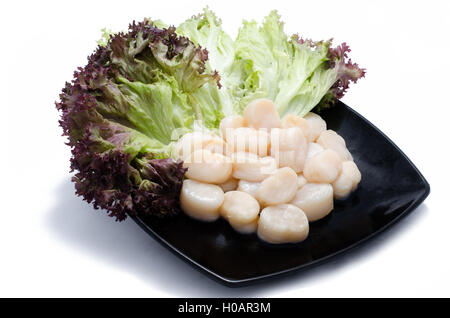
(266, 175)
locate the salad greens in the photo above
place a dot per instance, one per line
(264, 62)
(143, 88)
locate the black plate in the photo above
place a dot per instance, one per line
(391, 187)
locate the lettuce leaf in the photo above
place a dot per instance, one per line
(120, 112)
(296, 74)
(263, 61)
(205, 30)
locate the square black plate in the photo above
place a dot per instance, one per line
(391, 187)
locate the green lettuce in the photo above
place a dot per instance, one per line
(263, 61)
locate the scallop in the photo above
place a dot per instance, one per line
(261, 113)
(240, 209)
(205, 166)
(289, 147)
(200, 200)
(287, 139)
(347, 181)
(351, 169)
(301, 181)
(317, 125)
(323, 167)
(250, 140)
(229, 185)
(194, 141)
(284, 223)
(292, 120)
(342, 186)
(250, 167)
(279, 188)
(294, 159)
(313, 148)
(188, 143)
(247, 228)
(230, 122)
(249, 187)
(315, 199)
(218, 145)
(329, 139)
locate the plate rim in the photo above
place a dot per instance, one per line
(246, 281)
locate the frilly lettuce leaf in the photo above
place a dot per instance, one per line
(205, 30)
(296, 74)
(263, 61)
(120, 112)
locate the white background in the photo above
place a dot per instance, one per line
(54, 244)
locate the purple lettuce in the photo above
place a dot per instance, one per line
(119, 112)
(347, 71)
